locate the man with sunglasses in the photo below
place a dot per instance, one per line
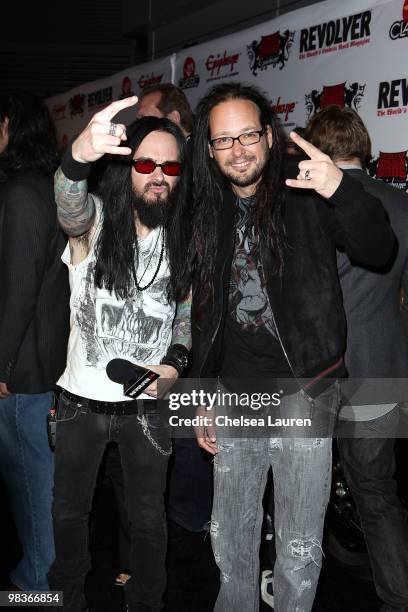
(129, 299)
(267, 316)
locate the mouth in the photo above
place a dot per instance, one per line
(163, 188)
(241, 165)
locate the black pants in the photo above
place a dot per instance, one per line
(81, 440)
(369, 467)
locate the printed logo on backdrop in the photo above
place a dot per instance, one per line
(126, 88)
(189, 78)
(77, 105)
(272, 50)
(221, 66)
(283, 110)
(58, 110)
(399, 29)
(99, 99)
(335, 35)
(391, 168)
(392, 98)
(145, 80)
(342, 95)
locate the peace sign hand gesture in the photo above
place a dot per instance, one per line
(101, 135)
(318, 173)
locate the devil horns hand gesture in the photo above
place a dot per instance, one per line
(318, 173)
(101, 135)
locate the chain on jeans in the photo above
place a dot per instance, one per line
(143, 421)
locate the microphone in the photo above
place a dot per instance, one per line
(134, 378)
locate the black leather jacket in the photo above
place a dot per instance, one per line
(307, 301)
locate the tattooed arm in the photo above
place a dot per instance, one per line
(182, 323)
(181, 335)
(76, 208)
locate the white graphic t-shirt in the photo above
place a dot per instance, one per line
(104, 327)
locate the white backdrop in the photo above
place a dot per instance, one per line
(351, 53)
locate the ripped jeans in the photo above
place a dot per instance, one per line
(301, 468)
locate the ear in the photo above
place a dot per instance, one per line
(269, 136)
(175, 117)
(210, 151)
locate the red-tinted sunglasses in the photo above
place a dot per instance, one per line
(147, 166)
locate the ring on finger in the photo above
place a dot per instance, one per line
(112, 129)
(307, 175)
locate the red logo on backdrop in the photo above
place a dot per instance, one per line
(271, 50)
(189, 67)
(270, 45)
(149, 79)
(391, 168)
(333, 94)
(341, 95)
(126, 88)
(283, 108)
(59, 111)
(405, 11)
(190, 78)
(76, 105)
(214, 64)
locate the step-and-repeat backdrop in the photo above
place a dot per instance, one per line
(351, 53)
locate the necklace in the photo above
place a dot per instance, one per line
(150, 283)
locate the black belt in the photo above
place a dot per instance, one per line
(137, 406)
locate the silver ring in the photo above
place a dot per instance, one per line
(112, 129)
(307, 175)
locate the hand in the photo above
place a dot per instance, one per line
(96, 140)
(206, 437)
(324, 175)
(4, 392)
(168, 375)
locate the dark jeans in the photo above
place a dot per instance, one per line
(369, 467)
(82, 436)
(192, 574)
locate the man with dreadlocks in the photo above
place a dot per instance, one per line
(129, 299)
(267, 305)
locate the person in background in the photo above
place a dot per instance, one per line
(167, 100)
(34, 325)
(377, 348)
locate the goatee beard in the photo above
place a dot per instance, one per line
(154, 212)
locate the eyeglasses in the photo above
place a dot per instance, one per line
(147, 166)
(227, 142)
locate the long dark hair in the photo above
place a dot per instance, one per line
(209, 183)
(117, 242)
(32, 140)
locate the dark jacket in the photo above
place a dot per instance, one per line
(376, 343)
(307, 302)
(34, 288)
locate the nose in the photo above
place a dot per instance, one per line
(237, 149)
(157, 173)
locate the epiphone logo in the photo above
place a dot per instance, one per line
(215, 63)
